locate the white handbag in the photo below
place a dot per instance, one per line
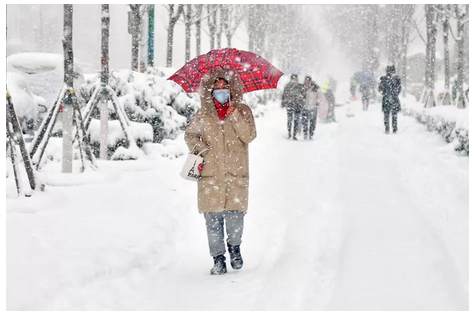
(193, 166)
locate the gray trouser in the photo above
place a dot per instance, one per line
(215, 222)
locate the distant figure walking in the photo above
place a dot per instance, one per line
(353, 88)
(390, 87)
(329, 88)
(293, 101)
(309, 117)
(365, 91)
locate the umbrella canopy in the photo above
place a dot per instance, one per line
(255, 72)
(365, 78)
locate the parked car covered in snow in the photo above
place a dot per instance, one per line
(44, 73)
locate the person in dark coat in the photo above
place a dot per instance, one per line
(390, 87)
(293, 101)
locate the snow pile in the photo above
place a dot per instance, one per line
(167, 148)
(44, 73)
(25, 102)
(448, 121)
(141, 132)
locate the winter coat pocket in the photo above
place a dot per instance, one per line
(237, 164)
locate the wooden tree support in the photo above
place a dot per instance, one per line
(41, 139)
(14, 137)
(106, 93)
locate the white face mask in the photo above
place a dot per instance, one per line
(221, 95)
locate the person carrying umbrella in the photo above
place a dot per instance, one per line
(222, 130)
(225, 126)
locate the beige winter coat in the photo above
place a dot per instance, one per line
(225, 176)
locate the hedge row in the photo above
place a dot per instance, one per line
(446, 128)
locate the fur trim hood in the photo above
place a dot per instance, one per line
(207, 84)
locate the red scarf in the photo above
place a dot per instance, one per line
(221, 109)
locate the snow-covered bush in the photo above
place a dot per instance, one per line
(149, 98)
(27, 105)
(451, 127)
(141, 132)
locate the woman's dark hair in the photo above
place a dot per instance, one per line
(220, 78)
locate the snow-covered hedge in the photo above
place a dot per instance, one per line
(147, 98)
(448, 121)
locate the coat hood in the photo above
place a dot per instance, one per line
(207, 84)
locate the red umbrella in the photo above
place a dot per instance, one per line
(255, 72)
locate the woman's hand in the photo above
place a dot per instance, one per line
(230, 110)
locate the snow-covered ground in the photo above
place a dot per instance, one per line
(354, 220)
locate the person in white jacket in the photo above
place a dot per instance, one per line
(311, 96)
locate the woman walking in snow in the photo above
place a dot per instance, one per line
(223, 126)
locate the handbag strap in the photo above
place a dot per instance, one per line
(203, 151)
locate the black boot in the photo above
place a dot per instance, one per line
(220, 267)
(235, 256)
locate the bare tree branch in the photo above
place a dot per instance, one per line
(418, 31)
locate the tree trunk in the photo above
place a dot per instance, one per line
(68, 98)
(461, 50)
(135, 36)
(430, 53)
(212, 21)
(446, 97)
(188, 32)
(170, 43)
(151, 36)
(219, 28)
(68, 52)
(105, 38)
(172, 23)
(104, 80)
(197, 37)
(144, 37)
(198, 29)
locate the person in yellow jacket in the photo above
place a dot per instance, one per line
(353, 88)
(328, 88)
